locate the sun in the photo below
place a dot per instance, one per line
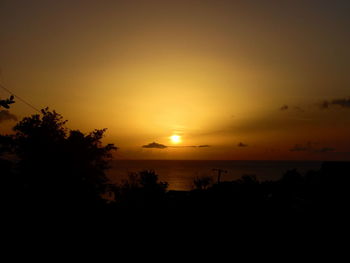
(175, 138)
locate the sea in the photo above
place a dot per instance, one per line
(180, 174)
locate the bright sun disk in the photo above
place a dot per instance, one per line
(175, 138)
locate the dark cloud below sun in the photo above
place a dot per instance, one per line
(154, 145)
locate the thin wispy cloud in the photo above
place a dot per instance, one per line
(325, 149)
(298, 148)
(5, 115)
(311, 147)
(336, 103)
(190, 146)
(290, 108)
(298, 109)
(284, 108)
(155, 145)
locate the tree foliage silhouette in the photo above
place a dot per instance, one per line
(142, 189)
(5, 103)
(203, 182)
(58, 166)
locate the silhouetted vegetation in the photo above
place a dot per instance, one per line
(141, 190)
(54, 167)
(7, 102)
(45, 165)
(203, 182)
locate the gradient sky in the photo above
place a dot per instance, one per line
(246, 79)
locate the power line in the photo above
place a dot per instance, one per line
(24, 101)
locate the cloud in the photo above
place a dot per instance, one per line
(324, 105)
(295, 108)
(342, 153)
(342, 103)
(241, 144)
(311, 148)
(155, 145)
(284, 108)
(299, 148)
(5, 115)
(324, 150)
(298, 109)
(190, 146)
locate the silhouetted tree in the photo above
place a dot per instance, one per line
(292, 177)
(203, 182)
(5, 103)
(5, 150)
(59, 167)
(248, 179)
(142, 189)
(7, 178)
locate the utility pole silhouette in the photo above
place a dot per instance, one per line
(219, 171)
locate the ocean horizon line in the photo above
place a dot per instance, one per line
(203, 160)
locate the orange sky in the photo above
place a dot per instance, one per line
(217, 73)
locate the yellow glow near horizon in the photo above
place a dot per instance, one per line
(175, 139)
(185, 73)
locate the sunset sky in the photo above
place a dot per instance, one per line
(215, 79)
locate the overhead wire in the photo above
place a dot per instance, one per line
(19, 98)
